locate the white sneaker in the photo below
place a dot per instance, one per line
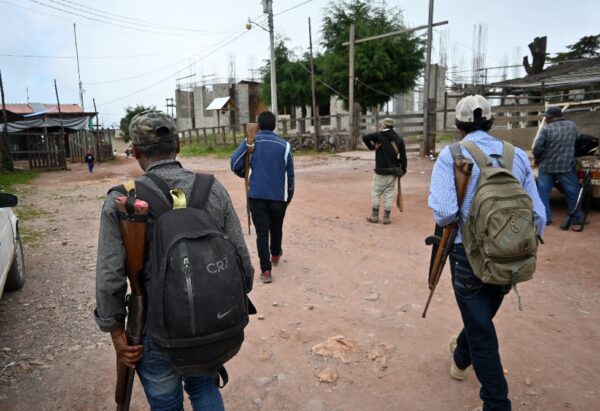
(455, 372)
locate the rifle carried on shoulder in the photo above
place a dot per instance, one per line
(443, 238)
(583, 194)
(251, 130)
(133, 221)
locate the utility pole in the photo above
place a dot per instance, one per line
(428, 141)
(7, 162)
(61, 141)
(351, 43)
(351, 118)
(78, 71)
(269, 12)
(315, 109)
(171, 106)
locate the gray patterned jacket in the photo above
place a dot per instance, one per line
(111, 280)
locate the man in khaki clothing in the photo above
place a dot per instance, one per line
(390, 163)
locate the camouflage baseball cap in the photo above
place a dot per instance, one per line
(151, 127)
(388, 122)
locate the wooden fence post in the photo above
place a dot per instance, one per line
(214, 138)
(302, 125)
(284, 126)
(205, 136)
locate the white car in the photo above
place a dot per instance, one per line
(12, 263)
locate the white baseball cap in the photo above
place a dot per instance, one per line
(467, 105)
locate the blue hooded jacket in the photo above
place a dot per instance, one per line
(270, 163)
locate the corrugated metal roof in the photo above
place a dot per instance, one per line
(38, 107)
(19, 108)
(41, 107)
(65, 108)
(573, 73)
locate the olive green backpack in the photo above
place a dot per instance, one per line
(499, 235)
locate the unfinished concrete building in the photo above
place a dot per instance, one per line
(192, 101)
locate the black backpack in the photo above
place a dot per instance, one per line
(197, 303)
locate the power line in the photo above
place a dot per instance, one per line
(69, 20)
(95, 83)
(36, 56)
(174, 74)
(293, 7)
(374, 89)
(88, 24)
(104, 21)
(98, 57)
(322, 82)
(132, 20)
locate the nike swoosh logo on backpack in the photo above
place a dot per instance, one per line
(221, 316)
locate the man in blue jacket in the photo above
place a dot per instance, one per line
(271, 188)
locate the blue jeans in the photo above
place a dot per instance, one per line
(477, 342)
(164, 386)
(570, 185)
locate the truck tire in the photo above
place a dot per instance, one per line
(16, 274)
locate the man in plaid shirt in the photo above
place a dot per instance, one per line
(554, 151)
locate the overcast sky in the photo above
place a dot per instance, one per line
(133, 51)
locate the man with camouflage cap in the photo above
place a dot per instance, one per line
(390, 163)
(155, 146)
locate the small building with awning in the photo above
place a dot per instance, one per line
(44, 136)
(223, 105)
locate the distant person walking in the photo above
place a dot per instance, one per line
(390, 163)
(554, 151)
(271, 189)
(90, 160)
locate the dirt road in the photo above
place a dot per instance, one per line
(339, 276)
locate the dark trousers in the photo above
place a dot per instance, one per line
(267, 216)
(477, 343)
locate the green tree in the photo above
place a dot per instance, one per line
(585, 48)
(383, 67)
(293, 81)
(130, 112)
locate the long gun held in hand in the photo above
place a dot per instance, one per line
(587, 180)
(251, 130)
(133, 222)
(463, 168)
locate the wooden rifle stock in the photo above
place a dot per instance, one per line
(251, 130)
(463, 168)
(133, 222)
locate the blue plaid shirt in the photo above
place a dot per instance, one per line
(442, 191)
(555, 146)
